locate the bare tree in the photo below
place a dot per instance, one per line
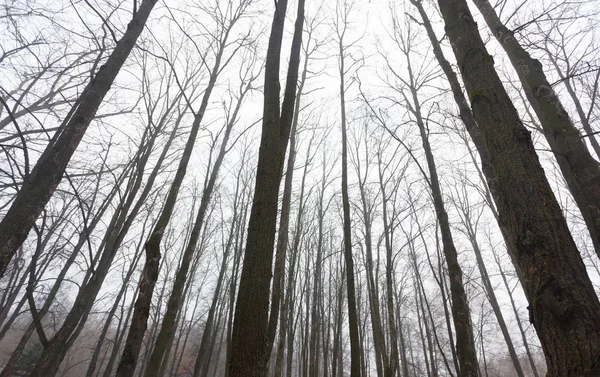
(553, 274)
(250, 352)
(38, 187)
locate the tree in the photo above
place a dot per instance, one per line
(343, 9)
(563, 305)
(38, 187)
(249, 354)
(579, 168)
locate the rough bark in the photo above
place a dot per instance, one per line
(563, 305)
(580, 169)
(249, 353)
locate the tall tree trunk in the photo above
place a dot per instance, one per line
(119, 336)
(249, 354)
(284, 222)
(107, 324)
(564, 307)
(518, 319)
(585, 121)
(392, 367)
(465, 344)
(209, 325)
(580, 169)
(176, 297)
(139, 322)
(38, 187)
(489, 289)
(355, 353)
(120, 223)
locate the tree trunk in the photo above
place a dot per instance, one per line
(389, 279)
(355, 354)
(489, 289)
(580, 169)
(120, 223)
(249, 354)
(518, 319)
(563, 305)
(465, 345)
(39, 186)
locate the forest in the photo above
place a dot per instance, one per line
(274, 188)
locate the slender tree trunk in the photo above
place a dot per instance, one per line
(355, 354)
(518, 319)
(39, 186)
(284, 222)
(209, 325)
(175, 299)
(120, 335)
(585, 122)
(489, 289)
(250, 351)
(94, 360)
(465, 344)
(392, 367)
(580, 169)
(122, 219)
(563, 305)
(139, 322)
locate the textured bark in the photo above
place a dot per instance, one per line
(40, 185)
(580, 169)
(249, 353)
(563, 305)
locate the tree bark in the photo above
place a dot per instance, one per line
(563, 305)
(580, 169)
(249, 354)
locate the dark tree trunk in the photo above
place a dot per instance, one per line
(39, 186)
(465, 345)
(250, 351)
(563, 305)
(580, 169)
(355, 354)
